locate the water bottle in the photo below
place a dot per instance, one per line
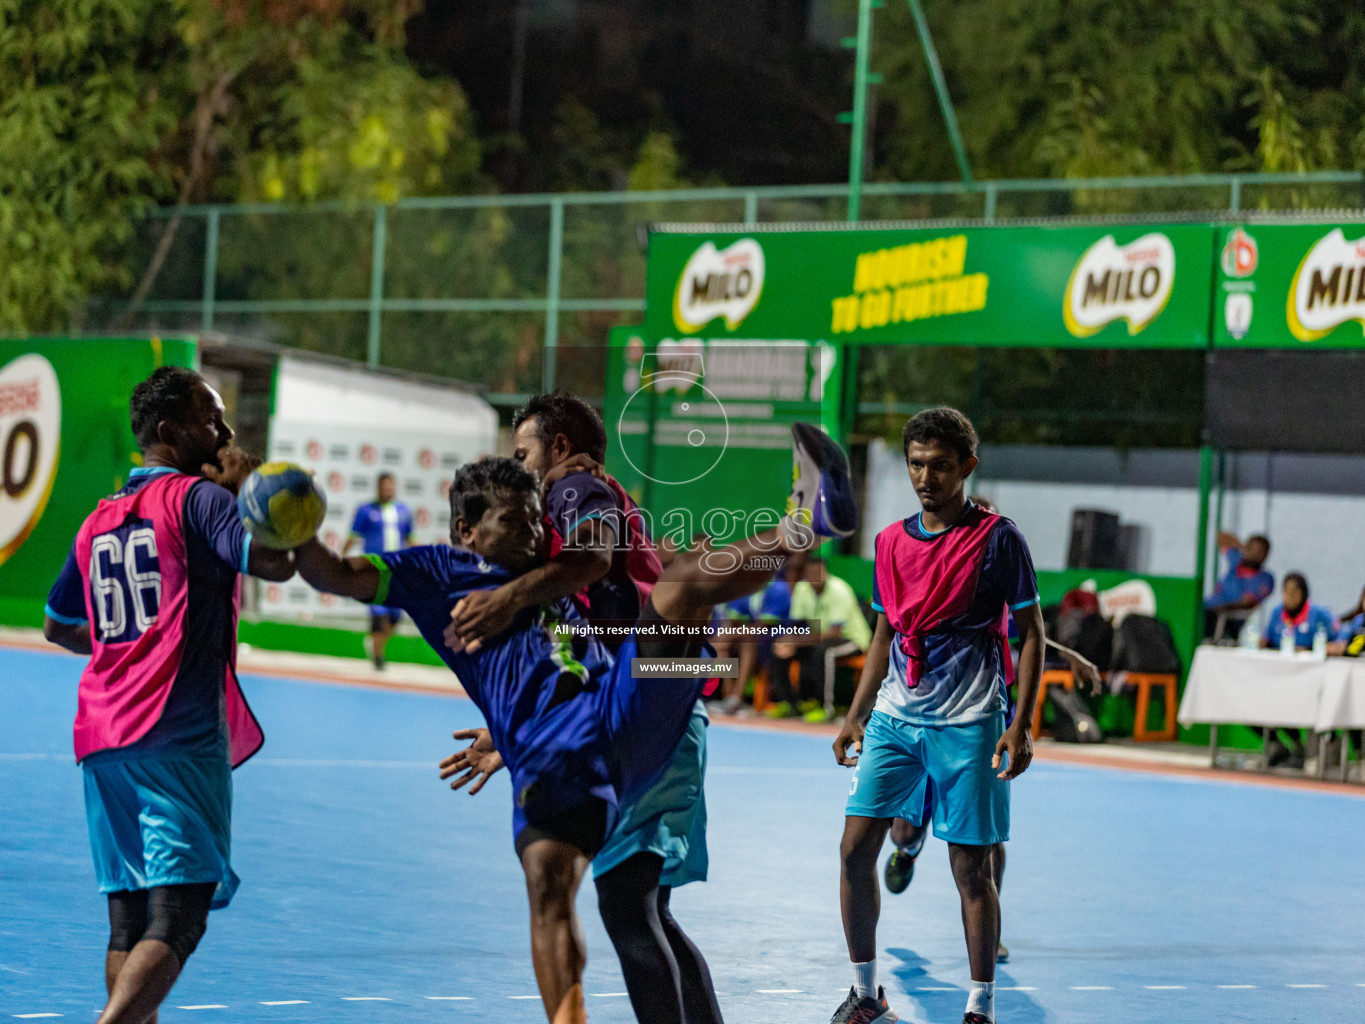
(1287, 642)
(1250, 637)
(1320, 644)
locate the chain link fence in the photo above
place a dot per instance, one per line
(519, 292)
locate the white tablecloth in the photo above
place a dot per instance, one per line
(1228, 684)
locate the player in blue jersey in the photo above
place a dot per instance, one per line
(380, 526)
(581, 736)
(160, 721)
(929, 712)
(605, 559)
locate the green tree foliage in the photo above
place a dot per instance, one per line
(81, 117)
(107, 106)
(1078, 88)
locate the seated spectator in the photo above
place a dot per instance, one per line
(1245, 582)
(838, 629)
(772, 604)
(1298, 616)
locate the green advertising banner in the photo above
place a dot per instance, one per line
(65, 442)
(1290, 285)
(720, 416)
(1106, 286)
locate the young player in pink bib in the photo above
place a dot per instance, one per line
(928, 718)
(150, 592)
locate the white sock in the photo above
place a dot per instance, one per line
(981, 999)
(865, 979)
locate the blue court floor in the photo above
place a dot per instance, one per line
(371, 892)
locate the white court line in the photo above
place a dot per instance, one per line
(367, 999)
(778, 991)
(1236, 986)
(31, 1016)
(523, 997)
(1305, 986)
(1164, 988)
(1009, 988)
(609, 995)
(205, 1006)
(450, 999)
(1092, 988)
(285, 1002)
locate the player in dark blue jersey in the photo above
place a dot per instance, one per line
(606, 563)
(580, 734)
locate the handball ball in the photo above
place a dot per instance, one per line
(281, 505)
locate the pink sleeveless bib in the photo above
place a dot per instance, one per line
(132, 556)
(923, 584)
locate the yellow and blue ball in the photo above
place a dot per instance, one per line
(281, 505)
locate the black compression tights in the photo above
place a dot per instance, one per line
(666, 975)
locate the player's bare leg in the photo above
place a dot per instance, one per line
(972, 872)
(138, 982)
(554, 871)
(860, 899)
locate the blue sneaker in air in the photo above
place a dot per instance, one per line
(821, 500)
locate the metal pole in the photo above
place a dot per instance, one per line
(858, 143)
(556, 257)
(750, 207)
(945, 102)
(1201, 548)
(988, 214)
(210, 270)
(377, 283)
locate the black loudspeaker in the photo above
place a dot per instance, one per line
(1095, 540)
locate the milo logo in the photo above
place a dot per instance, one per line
(718, 283)
(1119, 282)
(1328, 288)
(30, 443)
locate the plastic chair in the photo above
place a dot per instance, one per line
(1051, 677)
(1146, 682)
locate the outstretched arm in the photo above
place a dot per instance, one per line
(1085, 670)
(268, 564)
(585, 559)
(327, 571)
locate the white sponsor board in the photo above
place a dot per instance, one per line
(348, 461)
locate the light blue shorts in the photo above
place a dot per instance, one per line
(905, 768)
(160, 821)
(670, 817)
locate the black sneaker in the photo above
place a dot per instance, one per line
(900, 868)
(976, 1018)
(1002, 953)
(865, 1010)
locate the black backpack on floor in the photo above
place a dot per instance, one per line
(1072, 721)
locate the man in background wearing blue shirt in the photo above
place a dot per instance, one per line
(1245, 582)
(381, 526)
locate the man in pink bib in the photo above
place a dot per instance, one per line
(150, 592)
(928, 719)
